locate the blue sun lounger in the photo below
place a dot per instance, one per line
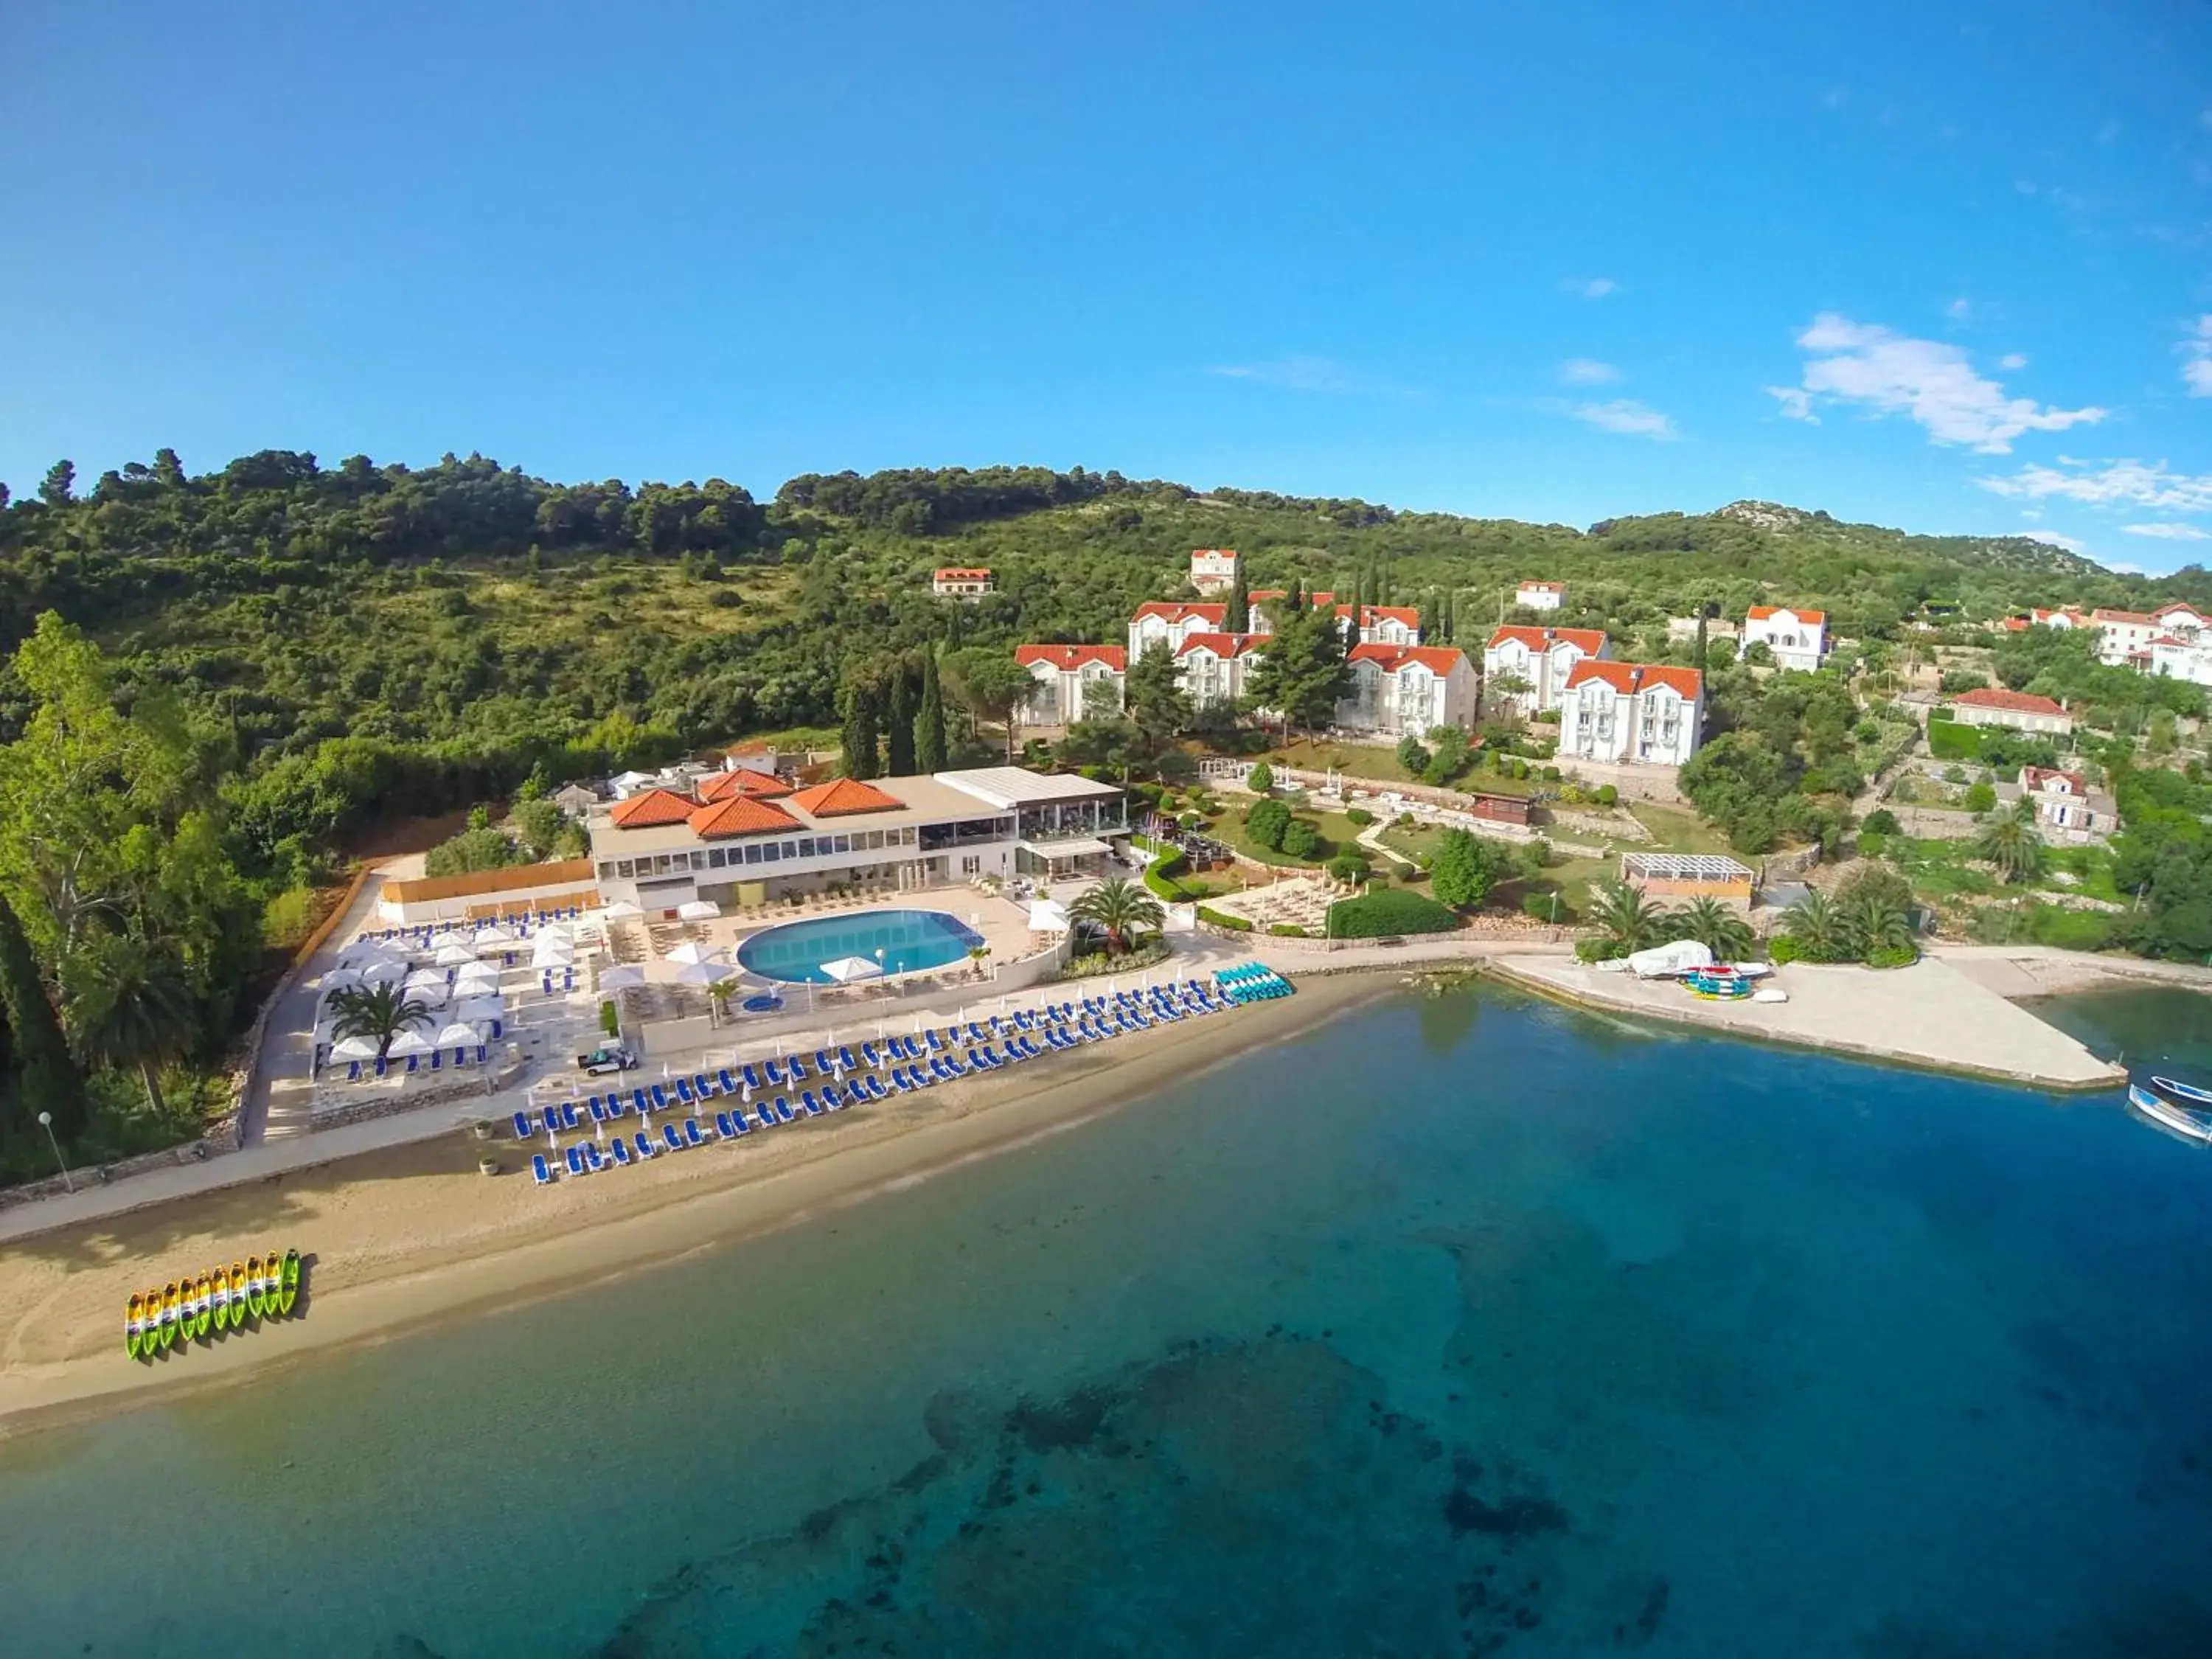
(616, 1106)
(569, 1119)
(753, 1077)
(525, 1126)
(575, 1156)
(724, 1127)
(675, 1141)
(876, 1090)
(874, 1056)
(729, 1084)
(936, 1045)
(683, 1091)
(845, 1055)
(598, 1108)
(702, 1085)
(692, 1135)
(538, 1169)
(772, 1070)
(645, 1147)
(783, 1112)
(899, 1080)
(823, 1064)
(638, 1103)
(592, 1158)
(621, 1149)
(660, 1097)
(807, 1100)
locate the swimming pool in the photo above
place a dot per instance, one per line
(908, 940)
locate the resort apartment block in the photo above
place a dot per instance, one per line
(2022, 710)
(1540, 595)
(960, 581)
(1542, 659)
(1639, 713)
(1798, 639)
(2175, 639)
(1213, 569)
(1073, 682)
(743, 837)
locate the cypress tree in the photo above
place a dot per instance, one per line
(1239, 619)
(899, 729)
(858, 707)
(46, 1078)
(929, 719)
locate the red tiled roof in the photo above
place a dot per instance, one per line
(2016, 624)
(1260, 595)
(1546, 587)
(1630, 677)
(1224, 645)
(2163, 639)
(1174, 611)
(1437, 659)
(843, 795)
(2166, 611)
(741, 815)
(743, 781)
(1588, 641)
(2021, 702)
(653, 808)
(1408, 614)
(2140, 617)
(1761, 612)
(1069, 657)
(963, 573)
(1214, 552)
(2034, 777)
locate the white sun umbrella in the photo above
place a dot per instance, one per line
(552, 953)
(339, 978)
(410, 1043)
(711, 971)
(692, 951)
(431, 994)
(1048, 916)
(353, 1048)
(458, 1033)
(620, 979)
(846, 970)
(425, 977)
(622, 910)
(383, 971)
(492, 934)
(698, 910)
(453, 953)
(474, 1010)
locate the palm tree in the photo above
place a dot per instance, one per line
(2010, 843)
(1819, 928)
(382, 1012)
(1122, 909)
(1714, 926)
(127, 1003)
(1628, 919)
(1877, 923)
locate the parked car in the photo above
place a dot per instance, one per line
(605, 1062)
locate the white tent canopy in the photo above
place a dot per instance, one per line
(622, 910)
(480, 1008)
(493, 933)
(431, 994)
(383, 971)
(620, 979)
(1048, 916)
(453, 954)
(692, 951)
(698, 910)
(1670, 958)
(552, 953)
(846, 970)
(339, 978)
(426, 976)
(410, 1043)
(458, 1036)
(355, 1048)
(711, 971)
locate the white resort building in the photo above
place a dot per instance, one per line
(745, 838)
(1073, 682)
(1214, 667)
(1213, 569)
(1404, 690)
(2062, 802)
(1645, 713)
(2022, 710)
(1798, 639)
(1540, 595)
(1542, 659)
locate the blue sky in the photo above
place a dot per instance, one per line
(1945, 266)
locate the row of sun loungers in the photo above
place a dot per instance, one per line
(840, 1078)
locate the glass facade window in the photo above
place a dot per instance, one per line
(715, 856)
(753, 853)
(624, 869)
(772, 852)
(607, 871)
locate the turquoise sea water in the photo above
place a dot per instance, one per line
(1465, 1326)
(908, 940)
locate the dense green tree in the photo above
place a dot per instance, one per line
(1153, 695)
(1266, 822)
(859, 704)
(58, 487)
(991, 686)
(1466, 867)
(929, 753)
(129, 1005)
(1819, 929)
(1301, 673)
(899, 712)
(1238, 619)
(46, 1078)
(1120, 908)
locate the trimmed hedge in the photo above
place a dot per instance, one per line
(1234, 924)
(1390, 911)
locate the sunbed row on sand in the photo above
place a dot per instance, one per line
(848, 1075)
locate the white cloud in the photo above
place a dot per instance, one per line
(1796, 403)
(1872, 367)
(1959, 310)
(2196, 358)
(2120, 566)
(1587, 371)
(2169, 532)
(2013, 360)
(1590, 287)
(1627, 416)
(2109, 483)
(1293, 374)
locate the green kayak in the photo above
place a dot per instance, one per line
(290, 1293)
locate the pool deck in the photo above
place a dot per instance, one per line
(1931, 1014)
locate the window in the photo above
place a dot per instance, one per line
(806, 846)
(714, 858)
(752, 853)
(971, 866)
(841, 843)
(622, 869)
(772, 852)
(607, 871)
(875, 838)
(660, 864)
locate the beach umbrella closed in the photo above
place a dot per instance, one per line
(692, 951)
(620, 979)
(698, 910)
(453, 953)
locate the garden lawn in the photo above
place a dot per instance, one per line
(1338, 833)
(1677, 830)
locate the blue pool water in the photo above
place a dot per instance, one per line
(1459, 1325)
(910, 940)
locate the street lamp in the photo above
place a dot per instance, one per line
(46, 1122)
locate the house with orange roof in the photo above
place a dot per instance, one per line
(1407, 690)
(1375, 624)
(1171, 622)
(1798, 638)
(661, 848)
(1540, 595)
(1213, 569)
(2024, 711)
(1540, 658)
(960, 581)
(1073, 682)
(1214, 666)
(1645, 713)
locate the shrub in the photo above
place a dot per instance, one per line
(1191, 821)
(1607, 795)
(1881, 821)
(610, 1021)
(1220, 919)
(1896, 956)
(1348, 866)
(1951, 742)
(288, 918)
(1359, 815)
(1287, 930)
(1390, 911)
(1981, 798)
(1783, 950)
(1549, 774)
(1871, 841)
(1599, 950)
(1541, 906)
(1956, 680)
(1301, 838)
(1260, 780)
(1265, 822)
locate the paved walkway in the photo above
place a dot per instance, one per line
(280, 1095)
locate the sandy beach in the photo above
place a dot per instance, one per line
(413, 1235)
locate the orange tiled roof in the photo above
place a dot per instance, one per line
(1761, 612)
(1437, 659)
(1069, 657)
(1225, 644)
(1174, 611)
(843, 795)
(962, 573)
(741, 815)
(653, 808)
(1630, 677)
(743, 781)
(2021, 702)
(1588, 641)
(2140, 617)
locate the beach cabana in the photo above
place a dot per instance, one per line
(698, 910)
(692, 953)
(846, 970)
(453, 953)
(1049, 916)
(620, 979)
(385, 971)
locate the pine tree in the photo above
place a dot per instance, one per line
(47, 1079)
(929, 719)
(1239, 618)
(899, 728)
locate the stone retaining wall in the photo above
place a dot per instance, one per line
(365, 1111)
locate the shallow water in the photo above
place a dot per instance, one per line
(1462, 1326)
